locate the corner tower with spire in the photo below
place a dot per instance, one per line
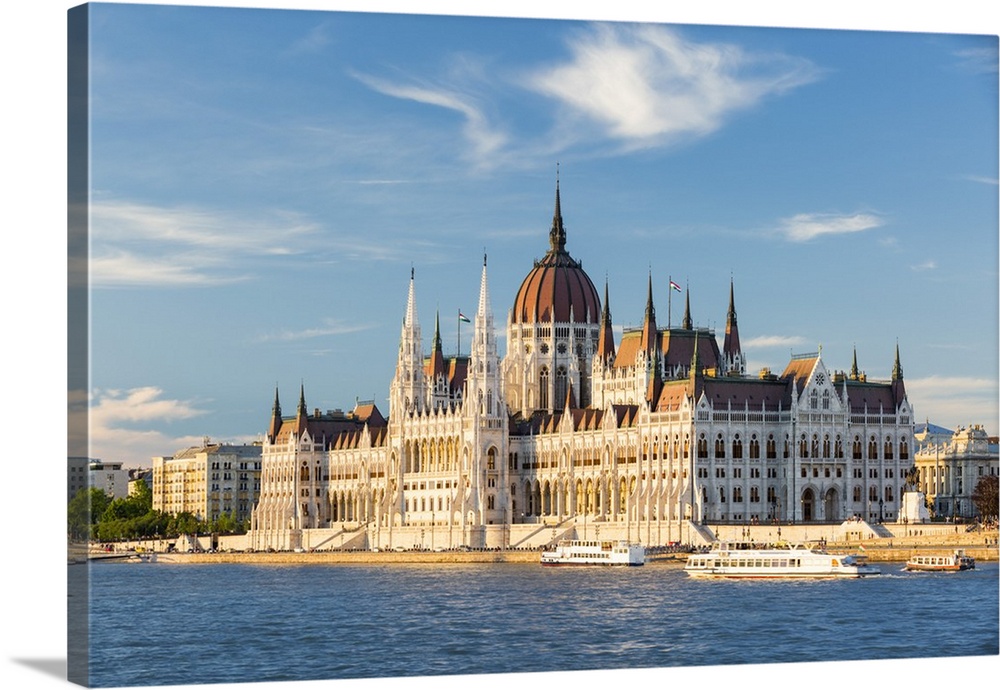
(407, 393)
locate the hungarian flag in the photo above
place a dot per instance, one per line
(675, 286)
(463, 317)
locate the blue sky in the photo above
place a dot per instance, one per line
(264, 180)
(865, 137)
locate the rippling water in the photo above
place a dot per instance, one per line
(170, 624)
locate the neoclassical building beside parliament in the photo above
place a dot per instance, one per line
(572, 434)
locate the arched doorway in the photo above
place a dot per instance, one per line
(831, 511)
(808, 505)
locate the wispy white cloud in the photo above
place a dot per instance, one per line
(126, 425)
(314, 41)
(635, 86)
(981, 60)
(928, 265)
(763, 341)
(330, 327)
(484, 136)
(981, 179)
(808, 226)
(946, 400)
(648, 86)
(142, 244)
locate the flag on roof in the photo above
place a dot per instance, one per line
(675, 286)
(463, 317)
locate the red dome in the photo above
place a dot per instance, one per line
(556, 285)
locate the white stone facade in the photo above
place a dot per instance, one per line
(951, 468)
(571, 432)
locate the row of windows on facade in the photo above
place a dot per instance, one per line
(813, 447)
(229, 466)
(736, 494)
(229, 475)
(242, 487)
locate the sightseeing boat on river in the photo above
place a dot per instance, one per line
(783, 560)
(945, 563)
(595, 552)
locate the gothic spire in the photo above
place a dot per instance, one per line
(650, 334)
(301, 415)
(695, 359)
(855, 374)
(276, 408)
(898, 389)
(686, 323)
(731, 345)
(275, 426)
(557, 235)
(411, 305)
(655, 385)
(606, 339)
(437, 354)
(484, 294)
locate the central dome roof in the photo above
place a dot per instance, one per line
(557, 285)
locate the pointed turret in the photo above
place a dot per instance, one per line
(731, 352)
(275, 426)
(483, 382)
(686, 323)
(655, 385)
(606, 340)
(301, 413)
(437, 367)
(898, 389)
(695, 359)
(650, 335)
(484, 295)
(557, 235)
(407, 392)
(410, 318)
(855, 374)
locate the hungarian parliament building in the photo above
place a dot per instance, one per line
(572, 434)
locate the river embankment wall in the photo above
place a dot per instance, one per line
(878, 542)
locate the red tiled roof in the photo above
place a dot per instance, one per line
(799, 369)
(332, 429)
(556, 285)
(871, 395)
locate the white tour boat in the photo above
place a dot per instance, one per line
(949, 563)
(595, 552)
(784, 560)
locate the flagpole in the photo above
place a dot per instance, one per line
(670, 298)
(459, 354)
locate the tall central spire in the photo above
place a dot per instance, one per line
(557, 235)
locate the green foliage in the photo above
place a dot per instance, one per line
(92, 514)
(225, 524)
(984, 496)
(84, 511)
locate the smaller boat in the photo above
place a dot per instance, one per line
(945, 563)
(595, 552)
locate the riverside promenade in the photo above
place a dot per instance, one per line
(981, 544)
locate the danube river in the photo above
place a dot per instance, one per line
(178, 624)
